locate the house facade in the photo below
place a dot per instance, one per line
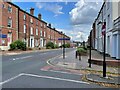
(8, 24)
(109, 14)
(18, 24)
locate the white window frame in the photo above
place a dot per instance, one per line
(31, 20)
(44, 34)
(36, 31)
(24, 28)
(44, 25)
(108, 5)
(41, 33)
(36, 22)
(41, 24)
(9, 22)
(9, 9)
(105, 9)
(24, 17)
(108, 21)
(31, 31)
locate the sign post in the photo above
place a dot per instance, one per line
(89, 60)
(104, 62)
(63, 45)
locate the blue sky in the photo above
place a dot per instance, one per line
(73, 18)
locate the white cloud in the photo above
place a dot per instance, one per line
(82, 17)
(84, 12)
(76, 33)
(55, 8)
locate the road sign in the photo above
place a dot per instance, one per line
(3, 36)
(63, 38)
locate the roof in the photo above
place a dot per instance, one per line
(26, 12)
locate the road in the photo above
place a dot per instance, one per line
(31, 70)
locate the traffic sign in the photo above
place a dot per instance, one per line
(63, 38)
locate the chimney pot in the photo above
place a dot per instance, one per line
(49, 25)
(32, 11)
(39, 16)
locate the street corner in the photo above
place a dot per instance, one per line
(53, 61)
(110, 81)
(67, 65)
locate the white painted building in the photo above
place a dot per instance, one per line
(109, 14)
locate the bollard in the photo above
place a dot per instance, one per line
(79, 56)
(76, 54)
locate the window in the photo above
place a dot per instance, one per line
(105, 9)
(49, 37)
(44, 26)
(44, 34)
(36, 31)
(24, 17)
(41, 24)
(108, 5)
(41, 33)
(31, 20)
(24, 28)
(36, 22)
(3, 5)
(31, 31)
(9, 22)
(108, 21)
(9, 9)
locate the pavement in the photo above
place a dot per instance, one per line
(96, 75)
(17, 52)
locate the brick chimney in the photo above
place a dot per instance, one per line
(39, 16)
(32, 11)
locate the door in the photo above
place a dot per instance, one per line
(41, 42)
(9, 38)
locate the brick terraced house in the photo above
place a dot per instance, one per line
(16, 23)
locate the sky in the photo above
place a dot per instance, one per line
(75, 19)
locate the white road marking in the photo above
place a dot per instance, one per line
(61, 72)
(21, 58)
(55, 78)
(1, 83)
(38, 76)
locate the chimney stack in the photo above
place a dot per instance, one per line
(39, 16)
(32, 11)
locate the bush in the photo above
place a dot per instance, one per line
(81, 50)
(56, 46)
(50, 45)
(18, 45)
(12, 46)
(66, 45)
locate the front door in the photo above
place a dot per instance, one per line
(9, 38)
(41, 42)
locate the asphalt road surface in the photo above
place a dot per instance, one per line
(31, 70)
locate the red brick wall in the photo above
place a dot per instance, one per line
(4, 21)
